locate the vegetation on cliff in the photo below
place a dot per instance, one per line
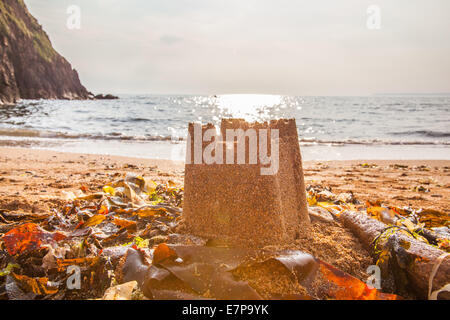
(29, 66)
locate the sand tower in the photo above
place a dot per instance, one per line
(243, 197)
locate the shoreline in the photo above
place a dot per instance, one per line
(46, 154)
(40, 179)
(168, 150)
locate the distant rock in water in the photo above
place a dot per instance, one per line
(29, 66)
(105, 97)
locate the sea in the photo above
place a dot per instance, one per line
(155, 126)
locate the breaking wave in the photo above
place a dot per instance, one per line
(424, 133)
(28, 133)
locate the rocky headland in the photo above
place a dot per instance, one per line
(30, 68)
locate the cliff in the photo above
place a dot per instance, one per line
(29, 66)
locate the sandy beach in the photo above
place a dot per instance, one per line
(41, 182)
(35, 180)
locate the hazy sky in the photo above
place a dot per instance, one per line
(314, 47)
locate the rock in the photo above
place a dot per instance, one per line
(121, 292)
(105, 97)
(29, 66)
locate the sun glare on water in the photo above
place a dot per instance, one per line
(251, 107)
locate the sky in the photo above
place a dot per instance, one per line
(314, 47)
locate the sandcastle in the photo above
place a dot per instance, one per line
(249, 190)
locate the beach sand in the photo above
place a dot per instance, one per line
(37, 180)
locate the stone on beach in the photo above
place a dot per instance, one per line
(235, 202)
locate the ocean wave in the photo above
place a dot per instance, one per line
(61, 135)
(368, 142)
(425, 133)
(29, 133)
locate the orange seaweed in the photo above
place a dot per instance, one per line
(348, 287)
(123, 223)
(163, 252)
(28, 237)
(38, 286)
